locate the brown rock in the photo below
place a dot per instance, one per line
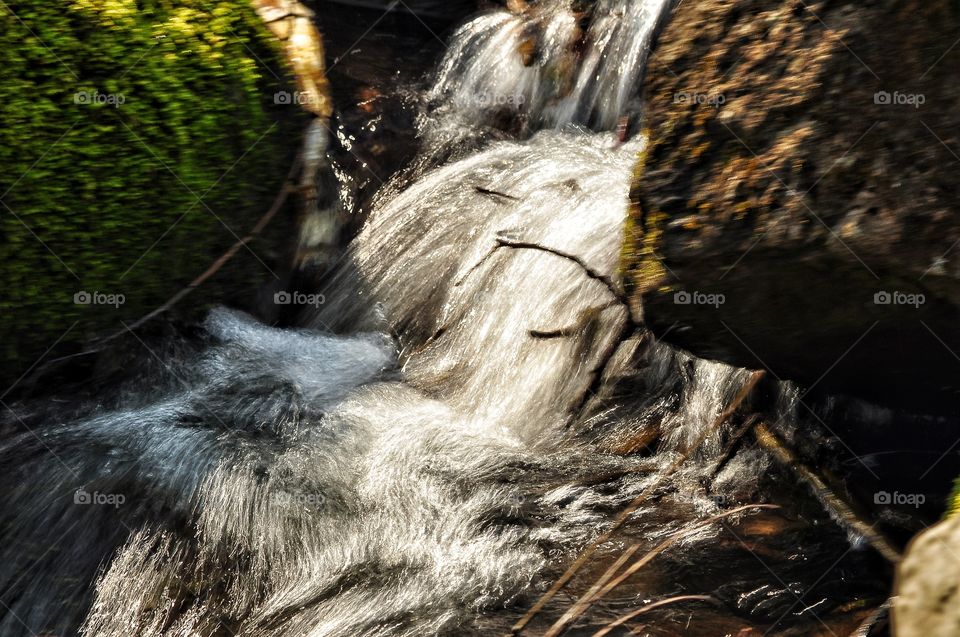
(803, 159)
(928, 584)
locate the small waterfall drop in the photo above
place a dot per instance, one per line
(550, 66)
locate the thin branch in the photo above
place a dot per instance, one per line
(505, 242)
(563, 332)
(590, 272)
(731, 445)
(495, 193)
(600, 371)
(583, 320)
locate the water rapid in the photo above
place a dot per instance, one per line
(432, 444)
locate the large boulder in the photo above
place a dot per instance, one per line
(928, 584)
(140, 139)
(797, 205)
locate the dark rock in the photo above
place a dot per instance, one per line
(802, 169)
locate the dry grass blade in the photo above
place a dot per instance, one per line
(663, 602)
(603, 579)
(599, 590)
(564, 579)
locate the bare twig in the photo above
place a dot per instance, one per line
(731, 445)
(495, 193)
(506, 242)
(599, 372)
(590, 272)
(583, 319)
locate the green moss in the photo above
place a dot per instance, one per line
(639, 262)
(953, 503)
(119, 116)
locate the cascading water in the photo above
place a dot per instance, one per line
(421, 453)
(544, 67)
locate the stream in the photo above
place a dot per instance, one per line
(469, 407)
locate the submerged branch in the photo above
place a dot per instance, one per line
(838, 508)
(505, 242)
(495, 193)
(584, 319)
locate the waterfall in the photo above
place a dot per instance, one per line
(550, 66)
(418, 454)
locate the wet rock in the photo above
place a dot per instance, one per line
(928, 585)
(796, 208)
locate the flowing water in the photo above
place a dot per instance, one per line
(432, 446)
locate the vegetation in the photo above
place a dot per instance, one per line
(140, 140)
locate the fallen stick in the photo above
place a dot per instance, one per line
(731, 446)
(834, 504)
(565, 578)
(504, 242)
(495, 193)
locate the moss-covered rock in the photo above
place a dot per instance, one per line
(139, 140)
(802, 160)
